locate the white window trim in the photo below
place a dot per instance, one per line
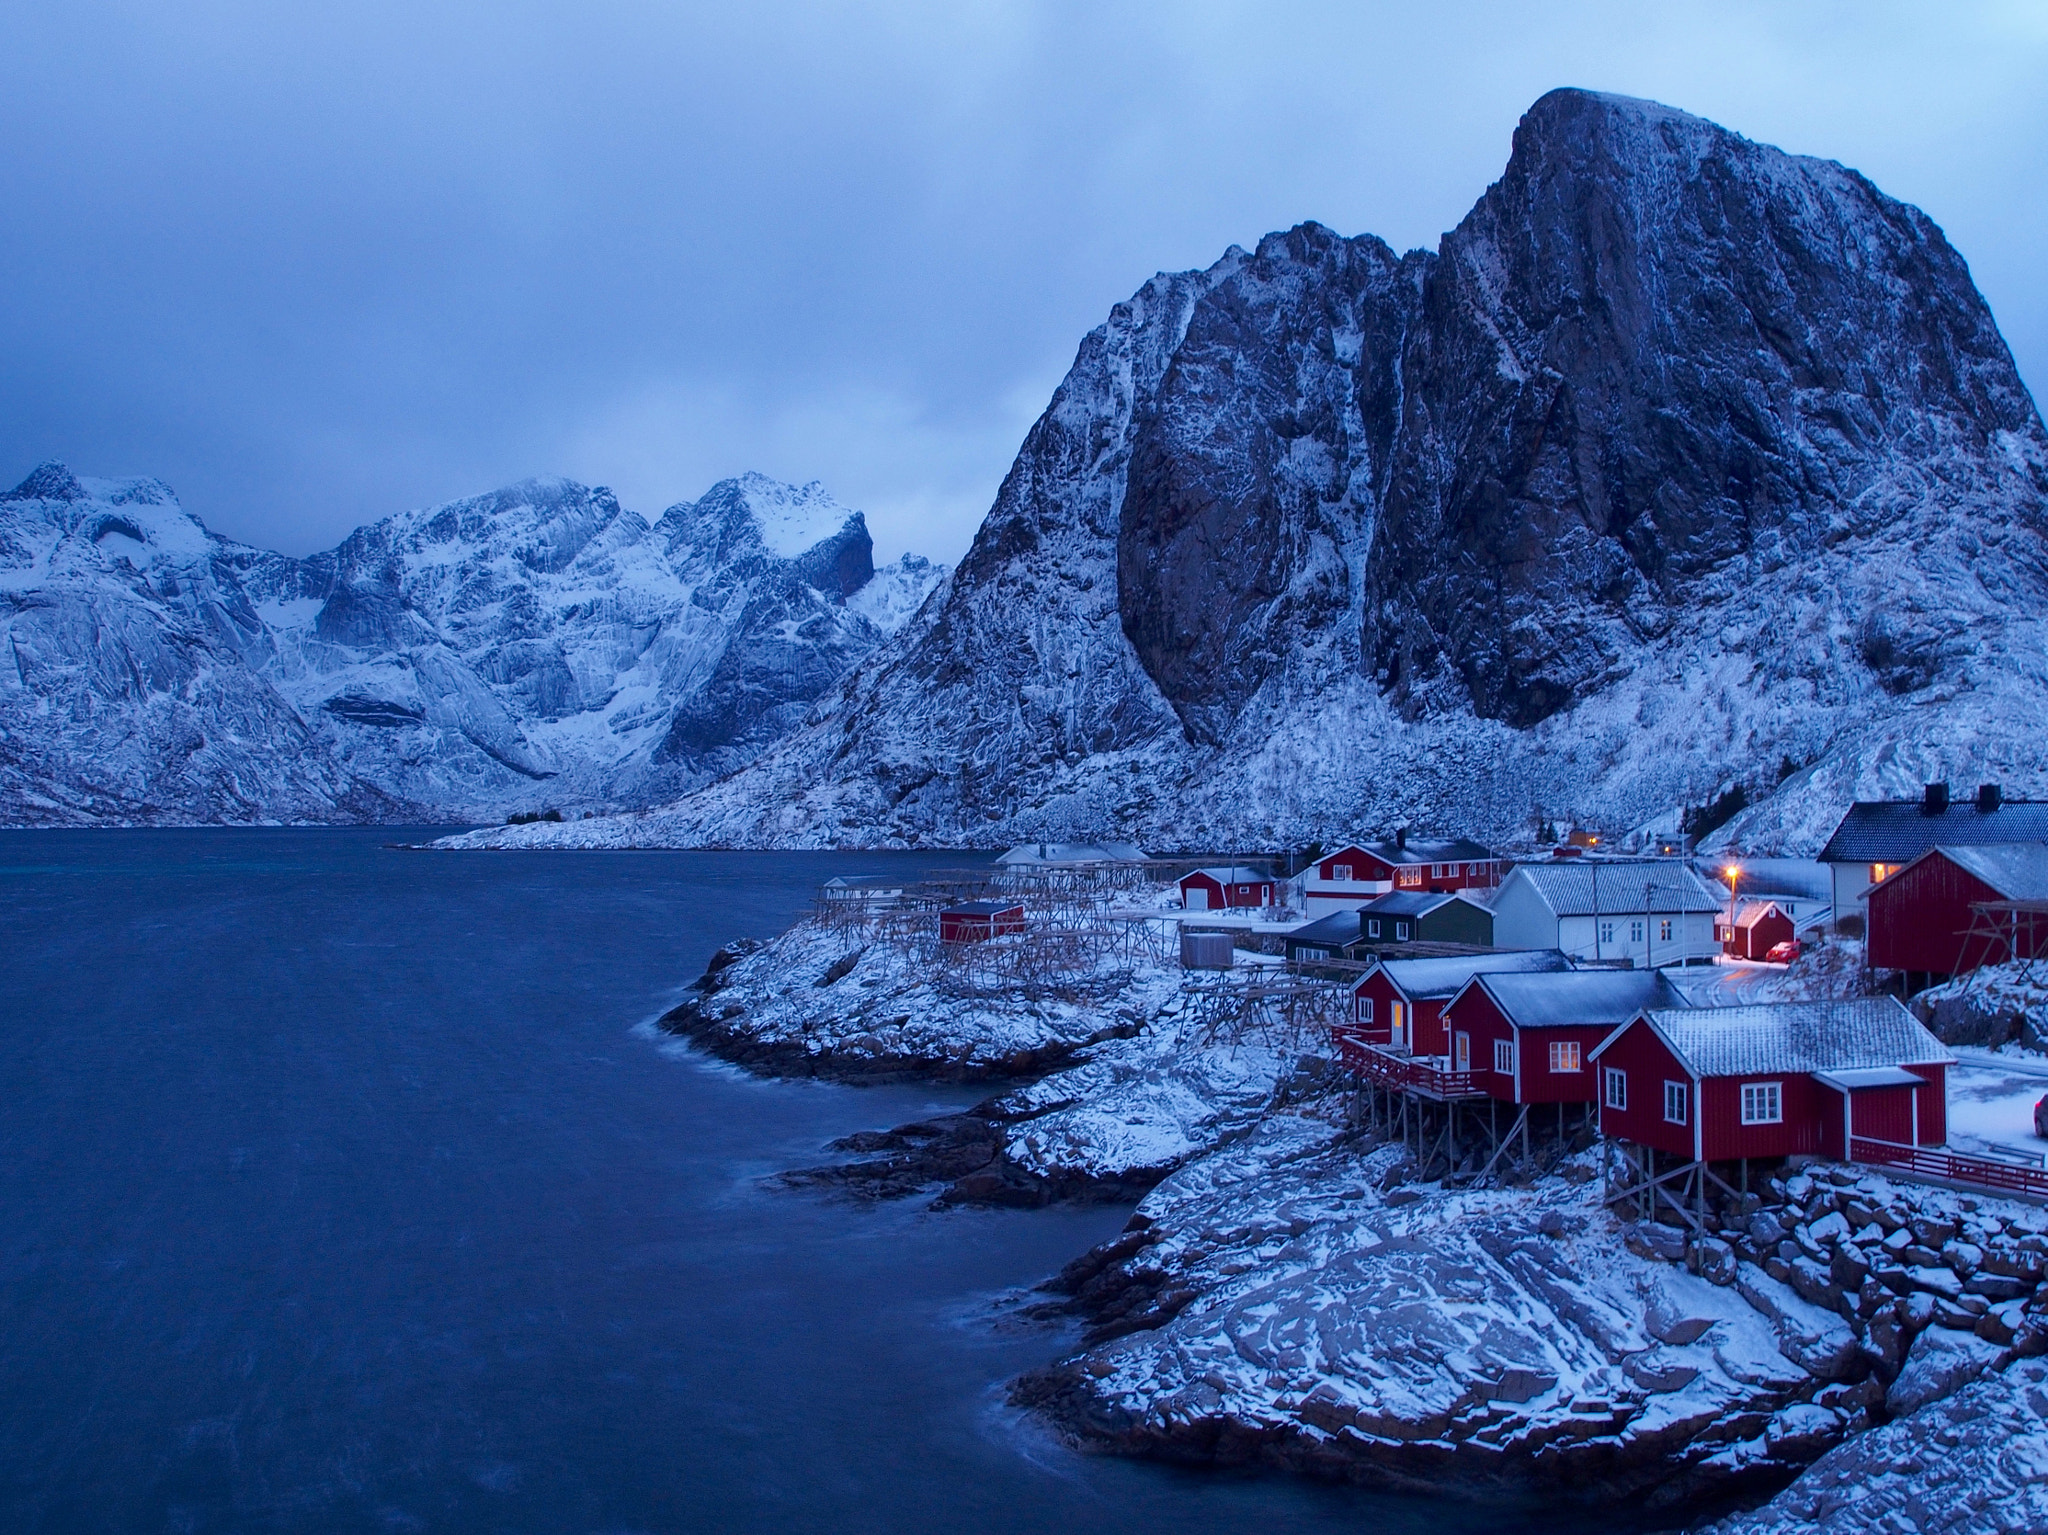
(1684, 1103)
(1372, 927)
(1503, 1058)
(1759, 1093)
(1614, 1089)
(1559, 1050)
(1365, 1009)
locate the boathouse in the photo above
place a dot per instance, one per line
(1397, 1004)
(979, 921)
(1759, 927)
(1531, 1036)
(1222, 889)
(1773, 1080)
(1953, 909)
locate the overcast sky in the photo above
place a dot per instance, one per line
(314, 265)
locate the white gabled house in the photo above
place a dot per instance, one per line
(1648, 911)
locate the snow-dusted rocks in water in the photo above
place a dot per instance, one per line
(1682, 461)
(537, 646)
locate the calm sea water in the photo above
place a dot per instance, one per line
(348, 1189)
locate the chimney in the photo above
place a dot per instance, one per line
(1935, 801)
(1989, 797)
(1401, 839)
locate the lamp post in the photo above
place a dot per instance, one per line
(1734, 873)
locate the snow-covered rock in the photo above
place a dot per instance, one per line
(1974, 1463)
(1681, 462)
(1993, 1005)
(537, 646)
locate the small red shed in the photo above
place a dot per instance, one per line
(1921, 920)
(1759, 927)
(1224, 888)
(979, 921)
(1396, 1005)
(1531, 1036)
(1773, 1080)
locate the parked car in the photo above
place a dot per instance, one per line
(2041, 1117)
(1784, 953)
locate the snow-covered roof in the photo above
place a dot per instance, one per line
(1420, 850)
(1750, 916)
(1235, 874)
(1578, 996)
(981, 908)
(2018, 871)
(1406, 903)
(1573, 886)
(1443, 975)
(1793, 1037)
(1868, 1076)
(1073, 852)
(1897, 831)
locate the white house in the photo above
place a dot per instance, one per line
(1650, 911)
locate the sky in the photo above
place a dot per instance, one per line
(317, 264)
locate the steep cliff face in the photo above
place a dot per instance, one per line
(1681, 461)
(536, 646)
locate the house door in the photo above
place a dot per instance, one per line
(1399, 1038)
(1198, 899)
(1462, 1052)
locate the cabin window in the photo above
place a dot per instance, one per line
(1411, 877)
(1436, 871)
(1635, 931)
(1504, 1057)
(1614, 1089)
(1341, 871)
(1564, 1055)
(1372, 927)
(1880, 872)
(1674, 1103)
(1400, 930)
(1664, 931)
(1607, 932)
(1761, 1104)
(1365, 1009)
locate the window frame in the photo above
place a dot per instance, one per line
(1605, 928)
(1682, 1092)
(1614, 1089)
(1365, 1009)
(1663, 930)
(1562, 1050)
(1372, 927)
(1504, 1051)
(1771, 1094)
(1400, 932)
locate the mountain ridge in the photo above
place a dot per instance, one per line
(1681, 462)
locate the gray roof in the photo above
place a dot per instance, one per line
(1236, 874)
(2018, 871)
(1073, 852)
(1441, 976)
(1571, 886)
(1579, 996)
(1337, 927)
(1898, 831)
(1426, 850)
(1796, 1037)
(1406, 903)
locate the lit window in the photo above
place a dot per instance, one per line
(1882, 871)
(1372, 927)
(1411, 877)
(1615, 1088)
(1365, 1009)
(1674, 1103)
(1400, 930)
(1607, 932)
(1664, 931)
(1564, 1055)
(1761, 1104)
(1504, 1057)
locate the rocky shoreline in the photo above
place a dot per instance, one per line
(1287, 1296)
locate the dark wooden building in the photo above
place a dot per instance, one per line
(1877, 838)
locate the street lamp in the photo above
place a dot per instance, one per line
(1734, 873)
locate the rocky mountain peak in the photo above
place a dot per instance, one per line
(48, 481)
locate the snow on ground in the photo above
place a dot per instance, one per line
(1992, 1005)
(1991, 1100)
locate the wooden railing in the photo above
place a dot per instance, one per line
(1412, 1073)
(1934, 1162)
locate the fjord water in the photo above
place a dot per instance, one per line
(347, 1188)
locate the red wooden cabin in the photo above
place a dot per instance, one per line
(1759, 927)
(979, 921)
(1356, 873)
(1779, 1079)
(1530, 1036)
(1222, 889)
(1396, 1004)
(1921, 919)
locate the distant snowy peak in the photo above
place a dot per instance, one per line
(791, 519)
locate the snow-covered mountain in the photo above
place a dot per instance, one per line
(536, 646)
(1681, 462)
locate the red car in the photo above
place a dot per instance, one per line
(1784, 953)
